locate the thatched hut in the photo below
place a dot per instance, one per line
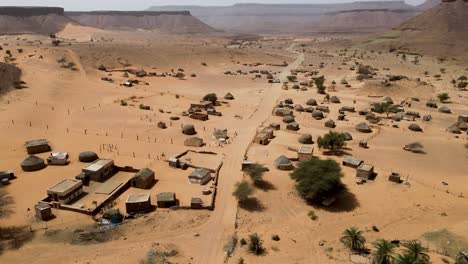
(289, 101)
(288, 119)
(283, 163)
(415, 127)
(33, 163)
(454, 129)
(323, 108)
(334, 99)
(330, 123)
(363, 128)
(317, 114)
(293, 126)
(445, 110)
(311, 102)
(306, 139)
(189, 130)
(309, 109)
(347, 136)
(299, 108)
(229, 96)
(388, 100)
(162, 125)
(220, 134)
(88, 156)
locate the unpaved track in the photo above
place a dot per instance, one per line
(217, 231)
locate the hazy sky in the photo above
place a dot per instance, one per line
(143, 4)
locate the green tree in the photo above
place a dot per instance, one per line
(212, 97)
(332, 141)
(386, 108)
(353, 239)
(256, 172)
(242, 191)
(405, 259)
(443, 97)
(384, 251)
(319, 84)
(415, 248)
(255, 245)
(317, 179)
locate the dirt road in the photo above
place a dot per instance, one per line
(221, 225)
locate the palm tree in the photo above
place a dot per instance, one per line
(406, 259)
(384, 252)
(415, 249)
(353, 239)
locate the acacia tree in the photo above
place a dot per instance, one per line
(386, 108)
(317, 180)
(255, 245)
(242, 191)
(212, 97)
(256, 172)
(332, 141)
(319, 84)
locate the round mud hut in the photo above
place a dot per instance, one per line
(445, 110)
(363, 128)
(309, 109)
(347, 136)
(317, 114)
(415, 127)
(288, 101)
(283, 163)
(189, 130)
(229, 96)
(330, 123)
(33, 163)
(88, 156)
(288, 119)
(306, 139)
(299, 108)
(334, 99)
(312, 102)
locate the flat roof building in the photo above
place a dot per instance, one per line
(166, 199)
(305, 153)
(138, 203)
(365, 171)
(352, 162)
(65, 191)
(37, 146)
(200, 176)
(144, 179)
(261, 138)
(100, 170)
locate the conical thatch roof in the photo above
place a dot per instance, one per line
(415, 127)
(317, 114)
(293, 126)
(306, 139)
(189, 130)
(229, 96)
(330, 123)
(288, 119)
(388, 100)
(309, 109)
(363, 127)
(299, 108)
(283, 163)
(334, 99)
(445, 110)
(312, 102)
(87, 156)
(347, 136)
(33, 163)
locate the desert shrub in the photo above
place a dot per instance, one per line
(312, 215)
(243, 242)
(275, 238)
(443, 97)
(102, 68)
(255, 244)
(123, 103)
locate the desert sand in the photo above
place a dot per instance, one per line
(77, 110)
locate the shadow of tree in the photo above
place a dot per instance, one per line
(345, 202)
(6, 204)
(264, 185)
(252, 204)
(12, 238)
(338, 152)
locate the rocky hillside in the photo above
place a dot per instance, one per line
(32, 20)
(270, 18)
(441, 30)
(174, 22)
(428, 4)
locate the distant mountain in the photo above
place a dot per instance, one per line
(282, 18)
(32, 20)
(428, 4)
(174, 22)
(441, 30)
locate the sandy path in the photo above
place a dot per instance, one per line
(222, 223)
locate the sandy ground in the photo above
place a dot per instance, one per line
(77, 111)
